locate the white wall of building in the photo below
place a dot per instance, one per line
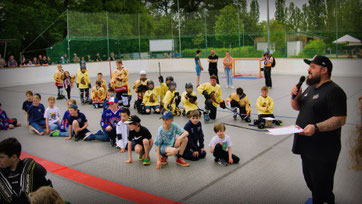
(288, 66)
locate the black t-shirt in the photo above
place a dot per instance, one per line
(44, 62)
(26, 105)
(143, 133)
(213, 65)
(14, 177)
(80, 118)
(317, 105)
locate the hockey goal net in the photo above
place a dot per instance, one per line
(247, 67)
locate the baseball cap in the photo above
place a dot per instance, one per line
(113, 100)
(321, 61)
(133, 119)
(167, 115)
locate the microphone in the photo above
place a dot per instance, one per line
(301, 80)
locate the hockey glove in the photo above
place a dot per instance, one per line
(206, 95)
(160, 79)
(222, 105)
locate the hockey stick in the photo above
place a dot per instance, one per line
(248, 128)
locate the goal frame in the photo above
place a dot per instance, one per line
(247, 59)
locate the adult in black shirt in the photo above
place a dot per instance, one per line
(212, 59)
(13, 171)
(322, 112)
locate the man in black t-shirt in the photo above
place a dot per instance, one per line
(322, 112)
(143, 139)
(18, 177)
(212, 59)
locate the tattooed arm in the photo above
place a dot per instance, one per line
(330, 124)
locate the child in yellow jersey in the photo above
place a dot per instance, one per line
(265, 106)
(172, 99)
(83, 81)
(164, 87)
(58, 78)
(103, 82)
(189, 99)
(140, 87)
(212, 94)
(119, 83)
(98, 95)
(150, 99)
(239, 100)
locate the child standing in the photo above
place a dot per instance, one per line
(120, 84)
(166, 142)
(220, 146)
(36, 116)
(228, 68)
(142, 138)
(198, 67)
(52, 115)
(98, 95)
(68, 82)
(83, 81)
(58, 78)
(64, 126)
(5, 122)
(195, 145)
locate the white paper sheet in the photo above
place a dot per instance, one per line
(285, 130)
(269, 118)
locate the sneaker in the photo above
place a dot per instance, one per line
(140, 157)
(235, 116)
(147, 161)
(164, 160)
(89, 137)
(54, 133)
(222, 162)
(182, 162)
(76, 139)
(247, 119)
(232, 87)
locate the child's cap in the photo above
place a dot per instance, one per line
(167, 115)
(113, 100)
(133, 119)
(75, 107)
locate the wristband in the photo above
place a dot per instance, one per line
(316, 128)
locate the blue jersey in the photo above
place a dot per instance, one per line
(110, 118)
(36, 113)
(4, 120)
(65, 124)
(26, 105)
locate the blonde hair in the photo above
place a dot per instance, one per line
(219, 127)
(73, 101)
(45, 195)
(59, 66)
(36, 97)
(51, 98)
(264, 88)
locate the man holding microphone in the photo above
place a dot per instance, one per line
(322, 113)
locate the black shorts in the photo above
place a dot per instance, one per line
(82, 133)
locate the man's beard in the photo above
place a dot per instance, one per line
(313, 80)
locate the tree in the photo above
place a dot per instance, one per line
(317, 15)
(226, 26)
(277, 34)
(279, 12)
(315, 47)
(253, 20)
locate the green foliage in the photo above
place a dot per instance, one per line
(199, 39)
(277, 34)
(226, 24)
(315, 47)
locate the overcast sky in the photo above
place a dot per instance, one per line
(263, 7)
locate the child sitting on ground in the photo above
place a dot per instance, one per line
(189, 99)
(166, 142)
(110, 93)
(220, 146)
(150, 98)
(239, 100)
(27, 103)
(172, 99)
(5, 122)
(142, 138)
(122, 131)
(98, 95)
(78, 124)
(103, 82)
(195, 145)
(36, 116)
(52, 116)
(64, 126)
(265, 106)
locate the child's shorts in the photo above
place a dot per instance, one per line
(198, 71)
(163, 149)
(153, 107)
